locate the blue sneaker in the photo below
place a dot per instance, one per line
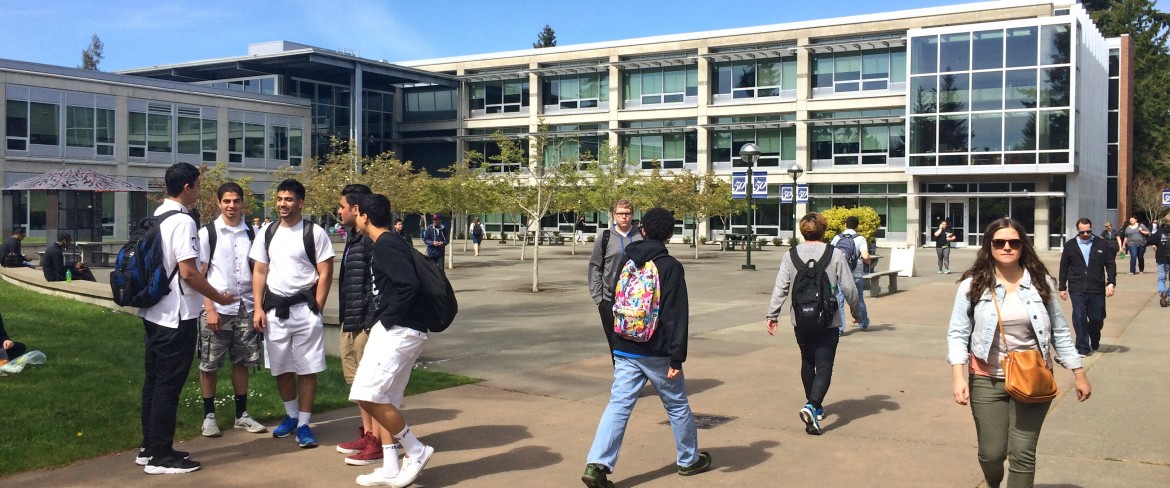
(820, 413)
(305, 437)
(286, 427)
(808, 414)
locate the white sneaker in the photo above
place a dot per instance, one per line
(412, 466)
(250, 424)
(210, 428)
(377, 478)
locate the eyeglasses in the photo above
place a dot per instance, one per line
(1086, 232)
(623, 214)
(1000, 243)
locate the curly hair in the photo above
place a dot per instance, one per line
(982, 273)
(658, 224)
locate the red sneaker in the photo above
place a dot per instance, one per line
(355, 446)
(372, 454)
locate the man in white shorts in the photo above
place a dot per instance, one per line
(291, 279)
(394, 345)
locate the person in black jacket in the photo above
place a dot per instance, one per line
(55, 265)
(11, 256)
(394, 345)
(1088, 275)
(658, 360)
(357, 316)
(12, 349)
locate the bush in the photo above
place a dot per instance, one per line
(793, 241)
(487, 235)
(867, 225)
(686, 239)
(590, 238)
(503, 236)
(776, 241)
(702, 239)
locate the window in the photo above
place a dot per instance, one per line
(777, 145)
(659, 85)
(496, 97)
(190, 131)
(278, 148)
(254, 141)
(136, 137)
(580, 91)
(16, 125)
(860, 142)
(235, 142)
(859, 71)
(295, 153)
(668, 150)
(428, 104)
(378, 117)
(209, 140)
(43, 123)
(486, 146)
(158, 133)
(79, 126)
(104, 132)
(754, 78)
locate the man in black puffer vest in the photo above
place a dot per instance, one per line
(357, 316)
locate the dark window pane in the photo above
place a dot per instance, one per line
(1020, 89)
(1019, 131)
(952, 160)
(1054, 158)
(1113, 127)
(1111, 193)
(921, 160)
(924, 55)
(1054, 44)
(984, 159)
(986, 132)
(986, 90)
(1054, 87)
(1111, 160)
(1021, 47)
(922, 134)
(1114, 62)
(988, 49)
(955, 52)
(1021, 158)
(43, 124)
(924, 92)
(1114, 94)
(953, 92)
(1054, 129)
(952, 133)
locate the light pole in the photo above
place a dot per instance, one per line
(749, 153)
(795, 171)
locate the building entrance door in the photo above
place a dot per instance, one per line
(954, 211)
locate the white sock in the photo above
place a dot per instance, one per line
(290, 408)
(390, 460)
(409, 442)
(303, 418)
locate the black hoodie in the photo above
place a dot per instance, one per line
(670, 337)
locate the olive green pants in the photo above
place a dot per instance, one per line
(1007, 429)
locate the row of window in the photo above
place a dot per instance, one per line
(991, 49)
(991, 90)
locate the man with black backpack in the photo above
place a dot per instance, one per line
(811, 273)
(224, 244)
(394, 344)
(856, 251)
(290, 281)
(171, 321)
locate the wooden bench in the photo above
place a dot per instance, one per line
(873, 282)
(735, 242)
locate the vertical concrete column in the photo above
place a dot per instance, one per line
(702, 136)
(615, 101)
(121, 157)
(357, 121)
(534, 115)
(463, 113)
(913, 224)
(6, 200)
(1040, 217)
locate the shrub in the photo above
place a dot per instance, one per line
(686, 239)
(487, 235)
(590, 238)
(503, 236)
(702, 239)
(793, 241)
(776, 241)
(867, 225)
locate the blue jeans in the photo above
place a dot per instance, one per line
(629, 375)
(1088, 317)
(1163, 270)
(864, 322)
(1137, 258)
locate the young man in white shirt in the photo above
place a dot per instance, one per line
(394, 345)
(290, 287)
(861, 254)
(228, 328)
(172, 326)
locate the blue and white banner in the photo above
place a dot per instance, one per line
(759, 184)
(786, 193)
(1166, 198)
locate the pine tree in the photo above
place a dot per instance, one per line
(92, 56)
(546, 38)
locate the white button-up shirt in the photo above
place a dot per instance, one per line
(229, 269)
(179, 243)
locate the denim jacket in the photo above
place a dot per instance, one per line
(966, 336)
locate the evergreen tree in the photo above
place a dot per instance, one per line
(92, 55)
(546, 38)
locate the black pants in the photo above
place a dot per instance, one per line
(1088, 318)
(82, 274)
(169, 353)
(605, 310)
(818, 349)
(17, 350)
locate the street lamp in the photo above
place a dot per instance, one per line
(749, 153)
(795, 171)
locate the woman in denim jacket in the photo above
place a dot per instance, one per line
(1023, 289)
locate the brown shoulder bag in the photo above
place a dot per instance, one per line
(1026, 376)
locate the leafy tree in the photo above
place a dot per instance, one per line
(546, 38)
(211, 179)
(867, 225)
(92, 55)
(702, 196)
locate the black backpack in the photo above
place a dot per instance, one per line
(139, 278)
(814, 302)
(213, 236)
(306, 235)
(1163, 252)
(435, 304)
(848, 247)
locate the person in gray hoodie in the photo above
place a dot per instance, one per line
(607, 255)
(818, 348)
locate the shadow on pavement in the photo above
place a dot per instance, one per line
(518, 459)
(476, 437)
(1061, 485)
(421, 416)
(694, 387)
(846, 411)
(1110, 349)
(727, 459)
(852, 329)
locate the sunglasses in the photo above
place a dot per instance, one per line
(1001, 243)
(1086, 232)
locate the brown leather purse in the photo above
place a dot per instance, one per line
(1026, 376)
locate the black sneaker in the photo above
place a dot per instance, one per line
(171, 465)
(143, 458)
(594, 476)
(1163, 300)
(703, 464)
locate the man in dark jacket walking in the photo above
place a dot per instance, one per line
(1088, 275)
(658, 360)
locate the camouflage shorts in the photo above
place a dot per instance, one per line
(236, 336)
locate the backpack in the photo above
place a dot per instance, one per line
(477, 230)
(435, 303)
(1163, 252)
(306, 235)
(848, 247)
(139, 278)
(213, 236)
(814, 302)
(636, 302)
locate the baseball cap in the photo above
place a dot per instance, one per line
(436, 217)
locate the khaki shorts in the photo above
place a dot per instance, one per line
(352, 346)
(236, 336)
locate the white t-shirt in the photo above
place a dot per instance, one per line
(230, 270)
(180, 243)
(289, 270)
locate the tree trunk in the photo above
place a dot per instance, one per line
(536, 265)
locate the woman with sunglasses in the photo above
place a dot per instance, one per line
(1008, 271)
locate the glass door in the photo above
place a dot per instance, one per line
(954, 212)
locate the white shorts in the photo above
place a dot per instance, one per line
(386, 364)
(296, 344)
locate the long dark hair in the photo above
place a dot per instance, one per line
(982, 273)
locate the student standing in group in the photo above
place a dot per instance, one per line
(1088, 275)
(357, 316)
(394, 345)
(55, 267)
(942, 238)
(859, 260)
(172, 325)
(224, 244)
(606, 257)
(290, 288)
(435, 238)
(818, 344)
(658, 358)
(1134, 239)
(400, 231)
(1008, 284)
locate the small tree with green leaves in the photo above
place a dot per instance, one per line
(546, 38)
(92, 56)
(211, 177)
(868, 221)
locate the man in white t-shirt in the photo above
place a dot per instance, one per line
(223, 252)
(172, 326)
(290, 287)
(859, 260)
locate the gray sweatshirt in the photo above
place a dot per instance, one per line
(839, 274)
(601, 286)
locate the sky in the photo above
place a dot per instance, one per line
(147, 33)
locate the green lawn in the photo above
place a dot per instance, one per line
(84, 401)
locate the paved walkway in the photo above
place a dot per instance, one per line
(890, 418)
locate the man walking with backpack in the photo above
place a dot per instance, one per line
(1160, 239)
(811, 273)
(224, 244)
(651, 309)
(856, 251)
(171, 321)
(293, 272)
(606, 257)
(435, 238)
(394, 345)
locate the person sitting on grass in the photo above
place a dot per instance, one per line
(55, 267)
(12, 349)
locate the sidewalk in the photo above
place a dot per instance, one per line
(890, 419)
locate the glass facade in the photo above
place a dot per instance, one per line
(670, 149)
(563, 146)
(330, 113)
(773, 78)
(428, 104)
(498, 97)
(777, 143)
(868, 70)
(865, 137)
(259, 84)
(377, 122)
(483, 141)
(1010, 104)
(649, 86)
(576, 91)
